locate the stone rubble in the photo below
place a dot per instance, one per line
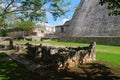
(47, 57)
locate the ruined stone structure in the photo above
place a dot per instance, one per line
(7, 43)
(45, 57)
(43, 30)
(15, 33)
(92, 19)
(61, 30)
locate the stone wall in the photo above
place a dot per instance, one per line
(61, 58)
(92, 19)
(115, 41)
(39, 57)
(16, 34)
(6, 43)
(62, 30)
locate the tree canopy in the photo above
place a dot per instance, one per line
(36, 10)
(33, 9)
(113, 6)
(26, 25)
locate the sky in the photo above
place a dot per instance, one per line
(61, 20)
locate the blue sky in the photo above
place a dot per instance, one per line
(62, 19)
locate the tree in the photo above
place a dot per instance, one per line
(2, 22)
(3, 30)
(26, 26)
(33, 9)
(113, 6)
(11, 19)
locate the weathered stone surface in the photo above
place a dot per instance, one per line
(61, 58)
(46, 57)
(92, 19)
(2, 46)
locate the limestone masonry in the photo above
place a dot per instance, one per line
(92, 19)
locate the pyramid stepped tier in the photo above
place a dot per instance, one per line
(92, 19)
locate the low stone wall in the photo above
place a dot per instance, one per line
(115, 41)
(4, 38)
(39, 57)
(60, 57)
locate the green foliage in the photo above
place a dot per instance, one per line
(26, 25)
(34, 9)
(3, 32)
(2, 22)
(11, 18)
(42, 31)
(113, 6)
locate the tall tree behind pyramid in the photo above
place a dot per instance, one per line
(92, 19)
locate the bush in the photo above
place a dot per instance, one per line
(3, 33)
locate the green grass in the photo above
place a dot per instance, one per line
(56, 43)
(110, 59)
(11, 71)
(99, 48)
(108, 55)
(108, 49)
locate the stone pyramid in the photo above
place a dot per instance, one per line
(92, 19)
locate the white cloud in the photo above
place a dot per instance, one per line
(2, 5)
(42, 23)
(48, 25)
(64, 20)
(18, 4)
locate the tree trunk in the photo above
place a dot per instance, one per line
(24, 32)
(11, 44)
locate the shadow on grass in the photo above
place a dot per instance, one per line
(97, 71)
(94, 71)
(11, 71)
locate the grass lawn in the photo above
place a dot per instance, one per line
(108, 54)
(11, 71)
(102, 48)
(8, 69)
(111, 59)
(108, 58)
